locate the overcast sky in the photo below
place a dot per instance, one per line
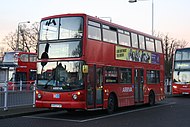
(170, 16)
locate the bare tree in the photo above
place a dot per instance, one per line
(170, 45)
(27, 38)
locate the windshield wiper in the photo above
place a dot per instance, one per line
(46, 85)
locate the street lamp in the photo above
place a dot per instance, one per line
(17, 44)
(107, 18)
(132, 1)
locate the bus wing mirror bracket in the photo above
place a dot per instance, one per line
(85, 69)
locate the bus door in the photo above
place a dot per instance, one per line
(94, 87)
(139, 82)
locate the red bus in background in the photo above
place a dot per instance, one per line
(24, 71)
(88, 63)
(181, 72)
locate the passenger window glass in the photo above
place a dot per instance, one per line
(125, 75)
(94, 30)
(94, 33)
(150, 44)
(158, 46)
(134, 40)
(141, 42)
(24, 57)
(109, 36)
(153, 77)
(71, 27)
(124, 38)
(33, 58)
(111, 75)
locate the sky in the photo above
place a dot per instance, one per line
(171, 17)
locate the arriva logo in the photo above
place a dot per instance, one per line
(127, 89)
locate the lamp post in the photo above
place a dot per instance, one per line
(107, 18)
(132, 1)
(17, 44)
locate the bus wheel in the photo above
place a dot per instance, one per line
(111, 104)
(151, 98)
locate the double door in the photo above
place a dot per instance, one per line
(139, 83)
(94, 87)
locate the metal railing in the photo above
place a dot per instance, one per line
(16, 94)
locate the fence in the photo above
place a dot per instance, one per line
(17, 94)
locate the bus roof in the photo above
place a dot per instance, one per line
(21, 52)
(187, 48)
(102, 21)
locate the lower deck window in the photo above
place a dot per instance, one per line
(153, 76)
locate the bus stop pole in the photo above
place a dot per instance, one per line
(20, 85)
(34, 93)
(6, 89)
(6, 96)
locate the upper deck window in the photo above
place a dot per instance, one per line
(49, 29)
(178, 55)
(32, 58)
(71, 27)
(61, 28)
(158, 46)
(134, 40)
(24, 57)
(94, 30)
(150, 44)
(124, 38)
(141, 42)
(183, 54)
(109, 34)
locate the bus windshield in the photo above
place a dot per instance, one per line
(64, 76)
(10, 57)
(181, 72)
(60, 49)
(181, 77)
(61, 28)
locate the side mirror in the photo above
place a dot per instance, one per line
(85, 69)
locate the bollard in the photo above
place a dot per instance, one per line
(6, 96)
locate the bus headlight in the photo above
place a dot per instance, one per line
(39, 96)
(175, 87)
(74, 96)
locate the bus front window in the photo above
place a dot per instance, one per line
(181, 77)
(49, 29)
(64, 28)
(61, 49)
(64, 76)
(181, 73)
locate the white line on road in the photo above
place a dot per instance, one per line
(102, 117)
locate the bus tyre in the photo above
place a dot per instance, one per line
(151, 98)
(111, 104)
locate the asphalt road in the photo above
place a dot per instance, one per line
(172, 112)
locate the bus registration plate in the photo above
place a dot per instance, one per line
(56, 105)
(185, 93)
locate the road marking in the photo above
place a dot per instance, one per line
(57, 119)
(101, 117)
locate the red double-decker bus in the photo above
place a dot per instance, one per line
(88, 63)
(24, 70)
(181, 72)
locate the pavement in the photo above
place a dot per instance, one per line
(21, 111)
